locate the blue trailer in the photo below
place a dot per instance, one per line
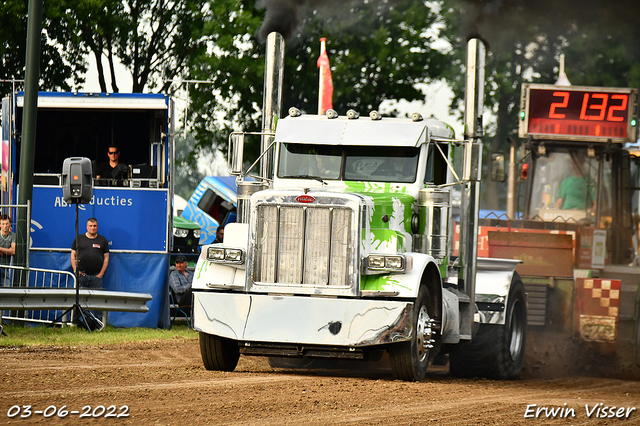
(134, 210)
(213, 202)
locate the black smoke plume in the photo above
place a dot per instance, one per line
(498, 21)
(285, 16)
(281, 16)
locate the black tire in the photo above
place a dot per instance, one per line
(496, 351)
(409, 360)
(218, 353)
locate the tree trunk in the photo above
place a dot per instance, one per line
(103, 84)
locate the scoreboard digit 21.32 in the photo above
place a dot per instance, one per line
(578, 113)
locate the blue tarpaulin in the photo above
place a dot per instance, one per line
(129, 272)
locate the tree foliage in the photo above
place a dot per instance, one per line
(377, 50)
(58, 67)
(154, 39)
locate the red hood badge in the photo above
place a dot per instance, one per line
(305, 199)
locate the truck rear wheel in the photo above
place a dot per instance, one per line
(409, 360)
(218, 353)
(496, 351)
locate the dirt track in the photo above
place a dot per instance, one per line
(165, 383)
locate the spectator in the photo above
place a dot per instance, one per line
(90, 258)
(180, 282)
(7, 248)
(575, 191)
(219, 234)
(112, 169)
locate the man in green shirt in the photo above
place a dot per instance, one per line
(575, 193)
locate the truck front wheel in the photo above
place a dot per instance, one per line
(496, 351)
(218, 353)
(409, 360)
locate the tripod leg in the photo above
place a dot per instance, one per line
(61, 316)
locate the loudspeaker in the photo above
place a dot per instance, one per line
(77, 186)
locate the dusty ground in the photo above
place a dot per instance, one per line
(165, 383)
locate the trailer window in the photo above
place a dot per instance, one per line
(215, 206)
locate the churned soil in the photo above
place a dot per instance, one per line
(165, 383)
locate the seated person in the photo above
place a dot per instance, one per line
(112, 169)
(219, 234)
(180, 282)
(575, 193)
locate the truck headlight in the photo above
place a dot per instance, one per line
(388, 263)
(215, 254)
(375, 262)
(225, 255)
(180, 233)
(394, 262)
(233, 255)
(196, 233)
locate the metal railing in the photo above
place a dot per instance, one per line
(42, 295)
(16, 279)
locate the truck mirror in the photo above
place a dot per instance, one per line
(497, 167)
(235, 154)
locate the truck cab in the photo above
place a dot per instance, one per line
(348, 251)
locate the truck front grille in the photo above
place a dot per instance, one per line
(303, 245)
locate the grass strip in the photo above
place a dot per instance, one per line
(18, 336)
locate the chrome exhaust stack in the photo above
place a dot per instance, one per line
(472, 170)
(271, 108)
(271, 98)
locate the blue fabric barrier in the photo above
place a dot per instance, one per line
(131, 272)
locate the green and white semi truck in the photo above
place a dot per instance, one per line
(343, 249)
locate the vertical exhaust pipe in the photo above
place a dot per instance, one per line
(271, 107)
(272, 96)
(472, 168)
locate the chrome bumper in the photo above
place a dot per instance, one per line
(302, 320)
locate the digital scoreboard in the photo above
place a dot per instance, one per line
(578, 113)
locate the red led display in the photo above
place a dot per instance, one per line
(572, 112)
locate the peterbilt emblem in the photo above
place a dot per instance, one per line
(305, 199)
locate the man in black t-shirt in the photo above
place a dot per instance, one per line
(113, 168)
(90, 256)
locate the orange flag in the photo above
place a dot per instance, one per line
(325, 98)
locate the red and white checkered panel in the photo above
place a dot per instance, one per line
(598, 296)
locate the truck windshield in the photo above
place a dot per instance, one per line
(354, 163)
(565, 187)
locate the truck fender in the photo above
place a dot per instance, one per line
(425, 271)
(493, 282)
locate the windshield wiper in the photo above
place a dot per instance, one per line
(319, 179)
